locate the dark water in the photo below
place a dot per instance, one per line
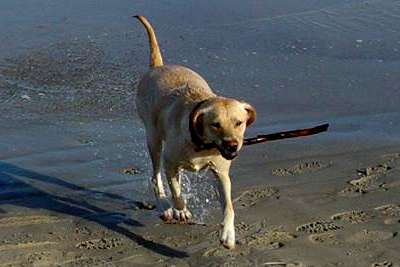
(291, 59)
(68, 69)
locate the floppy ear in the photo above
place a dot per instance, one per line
(251, 113)
(196, 122)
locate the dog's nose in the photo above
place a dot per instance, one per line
(230, 145)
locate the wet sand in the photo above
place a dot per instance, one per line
(74, 168)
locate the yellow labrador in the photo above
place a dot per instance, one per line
(189, 127)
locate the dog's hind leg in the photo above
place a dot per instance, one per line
(180, 211)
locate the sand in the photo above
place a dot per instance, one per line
(73, 164)
(69, 203)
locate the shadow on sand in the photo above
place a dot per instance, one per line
(16, 189)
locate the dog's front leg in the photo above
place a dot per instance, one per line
(154, 145)
(228, 231)
(180, 211)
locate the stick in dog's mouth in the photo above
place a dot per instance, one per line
(288, 134)
(262, 138)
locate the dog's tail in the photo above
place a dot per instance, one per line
(155, 54)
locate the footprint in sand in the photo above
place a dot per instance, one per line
(243, 229)
(250, 197)
(187, 238)
(392, 210)
(382, 264)
(353, 217)
(327, 238)
(300, 168)
(220, 252)
(83, 230)
(103, 243)
(254, 236)
(368, 236)
(43, 258)
(369, 179)
(269, 239)
(318, 227)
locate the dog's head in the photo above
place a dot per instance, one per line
(222, 122)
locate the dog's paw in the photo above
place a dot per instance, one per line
(167, 215)
(176, 216)
(182, 215)
(228, 236)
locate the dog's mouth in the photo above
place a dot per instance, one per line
(229, 155)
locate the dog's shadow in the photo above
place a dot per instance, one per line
(16, 188)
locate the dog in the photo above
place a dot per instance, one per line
(189, 127)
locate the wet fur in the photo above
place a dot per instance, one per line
(167, 101)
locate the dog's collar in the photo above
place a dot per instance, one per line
(196, 139)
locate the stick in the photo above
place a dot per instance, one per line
(283, 135)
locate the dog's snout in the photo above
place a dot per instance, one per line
(231, 145)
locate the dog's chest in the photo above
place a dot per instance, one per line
(196, 164)
(186, 157)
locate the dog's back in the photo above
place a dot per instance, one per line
(163, 84)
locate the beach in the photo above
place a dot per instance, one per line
(74, 168)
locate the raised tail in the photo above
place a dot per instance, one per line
(155, 54)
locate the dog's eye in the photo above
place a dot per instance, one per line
(238, 123)
(216, 125)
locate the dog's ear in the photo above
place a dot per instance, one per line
(198, 124)
(251, 113)
(196, 121)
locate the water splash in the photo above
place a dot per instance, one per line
(200, 191)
